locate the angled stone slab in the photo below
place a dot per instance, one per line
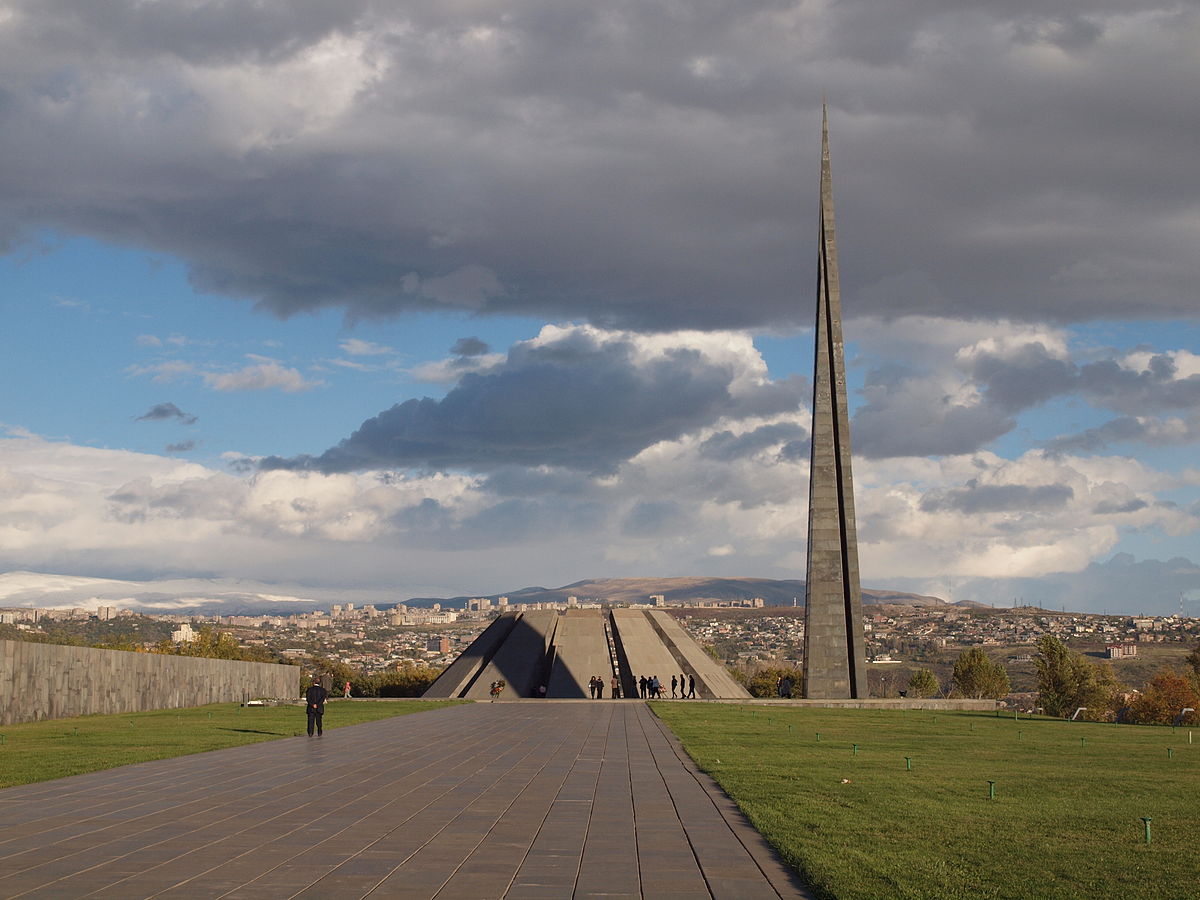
(520, 660)
(643, 647)
(459, 674)
(580, 652)
(713, 679)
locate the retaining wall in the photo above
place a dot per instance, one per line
(49, 681)
(934, 703)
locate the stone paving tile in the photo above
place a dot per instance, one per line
(515, 800)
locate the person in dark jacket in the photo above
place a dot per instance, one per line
(314, 699)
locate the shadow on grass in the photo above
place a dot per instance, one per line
(255, 731)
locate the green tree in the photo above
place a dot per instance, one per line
(1098, 691)
(923, 683)
(210, 644)
(976, 676)
(1068, 681)
(338, 671)
(1058, 676)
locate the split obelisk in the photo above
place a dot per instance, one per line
(834, 648)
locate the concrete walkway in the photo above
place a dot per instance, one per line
(531, 799)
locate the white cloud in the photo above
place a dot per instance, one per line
(263, 375)
(1187, 364)
(452, 368)
(676, 506)
(356, 347)
(163, 372)
(261, 106)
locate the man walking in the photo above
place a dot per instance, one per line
(314, 699)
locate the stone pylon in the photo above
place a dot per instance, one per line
(834, 647)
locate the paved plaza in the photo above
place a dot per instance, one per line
(529, 799)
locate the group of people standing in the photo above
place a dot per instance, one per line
(682, 688)
(596, 687)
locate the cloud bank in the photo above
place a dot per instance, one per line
(628, 164)
(575, 397)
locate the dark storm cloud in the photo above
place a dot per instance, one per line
(469, 346)
(1109, 508)
(1114, 431)
(1154, 388)
(975, 499)
(725, 446)
(1030, 376)
(519, 481)
(505, 523)
(652, 518)
(915, 413)
(161, 412)
(1120, 585)
(909, 413)
(1129, 429)
(581, 399)
(646, 164)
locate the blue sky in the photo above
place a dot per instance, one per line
(94, 320)
(454, 299)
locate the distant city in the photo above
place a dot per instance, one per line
(744, 633)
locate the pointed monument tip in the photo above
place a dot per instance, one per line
(824, 131)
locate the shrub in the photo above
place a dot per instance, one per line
(764, 682)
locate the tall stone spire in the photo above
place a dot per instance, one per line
(834, 647)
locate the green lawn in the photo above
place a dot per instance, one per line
(39, 751)
(1066, 821)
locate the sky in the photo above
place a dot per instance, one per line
(446, 298)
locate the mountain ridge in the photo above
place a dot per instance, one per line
(227, 596)
(774, 592)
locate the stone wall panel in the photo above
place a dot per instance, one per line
(50, 681)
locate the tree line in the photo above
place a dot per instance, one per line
(1068, 684)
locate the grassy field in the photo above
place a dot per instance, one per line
(39, 751)
(1066, 820)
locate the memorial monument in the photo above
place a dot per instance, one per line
(544, 653)
(834, 646)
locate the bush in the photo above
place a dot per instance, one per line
(405, 680)
(764, 682)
